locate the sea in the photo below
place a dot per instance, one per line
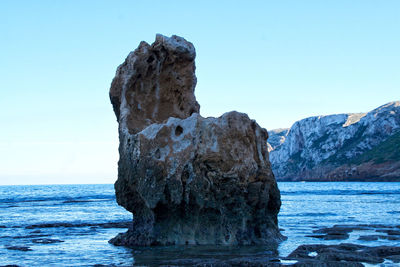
(70, 225)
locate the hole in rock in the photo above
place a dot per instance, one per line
(178, 130)
(157, 154)
(150, 59)
(227, 237)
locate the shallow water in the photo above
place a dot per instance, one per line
(305, 207)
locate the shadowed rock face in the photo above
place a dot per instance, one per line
(187, 179)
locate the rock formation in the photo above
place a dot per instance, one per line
(154, 83)
(187, 179)
(362, 146)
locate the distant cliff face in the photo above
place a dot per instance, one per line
(340, 147)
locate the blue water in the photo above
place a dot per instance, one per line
(305, 207)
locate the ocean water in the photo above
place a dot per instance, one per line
(69, 225)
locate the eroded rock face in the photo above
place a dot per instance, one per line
(154, 83)
(189, 179)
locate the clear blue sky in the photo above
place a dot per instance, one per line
(278, 61)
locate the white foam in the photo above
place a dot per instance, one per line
(313, 254)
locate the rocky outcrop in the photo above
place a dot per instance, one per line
(154, 83)
(187, 179)
(342, 147)
(276, 138)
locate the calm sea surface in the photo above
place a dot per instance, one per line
(28, 215)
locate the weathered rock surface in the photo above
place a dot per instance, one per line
(341, 147)
(341, 232)
(154, 83)
(187, 179)
(343, 255)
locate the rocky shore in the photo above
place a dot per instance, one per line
(340, 254)
(329, 255)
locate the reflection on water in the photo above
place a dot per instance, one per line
(195, 254)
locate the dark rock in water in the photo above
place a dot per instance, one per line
(50, 225)
(389, 231)
(392, 237)
(20, 248)
(336, 232)
(30, 236)
(335, 255)
(187, 179)
(368, 237)
(331, 236)
(376, 237)
(341, 232)
(394, 258)
(76, 201)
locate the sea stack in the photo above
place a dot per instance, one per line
(187, 179)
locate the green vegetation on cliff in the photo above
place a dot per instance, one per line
(388, 150)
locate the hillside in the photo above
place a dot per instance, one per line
(341, 147)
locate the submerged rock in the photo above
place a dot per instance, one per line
(344, 254)
(187, 179)
(20, 248)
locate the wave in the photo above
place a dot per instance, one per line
(315, 214)
(63, 199)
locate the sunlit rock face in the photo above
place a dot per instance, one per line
(154, 83)
(187, 179)
(362, 146)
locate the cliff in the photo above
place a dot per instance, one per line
(187, 179)
(343, 147)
